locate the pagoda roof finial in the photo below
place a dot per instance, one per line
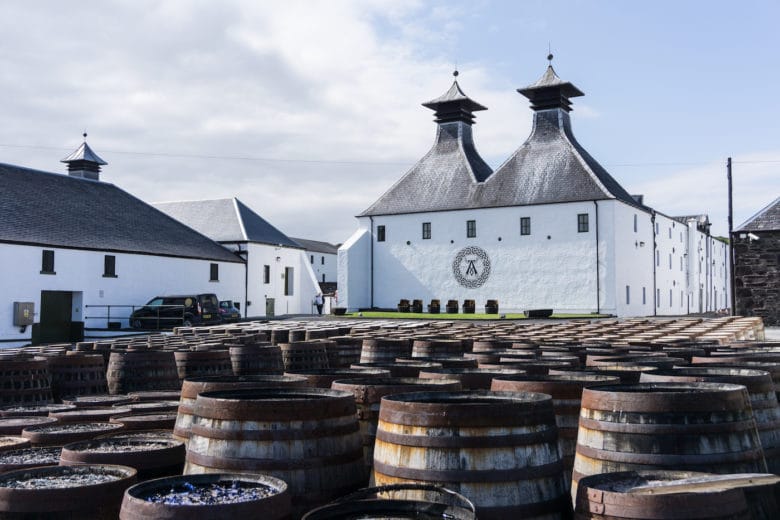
(550, 91)
(454, 105)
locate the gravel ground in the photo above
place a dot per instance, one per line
(72, 476)
(186, 494)
(31, 456)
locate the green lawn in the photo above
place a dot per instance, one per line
(445, 316)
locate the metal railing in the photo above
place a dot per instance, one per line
(146, 322)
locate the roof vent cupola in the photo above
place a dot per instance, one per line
(550, 91)
(84, 162)
(454, 105)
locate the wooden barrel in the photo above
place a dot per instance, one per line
(682, 426)
(397, 502)
(677, 495)
(82, 374)
(763, 400)
(436, 347)
(324, 378)
(400, 369)
(499, 449)
(13, 443)
(97, 401)
(470, 378)
(178, 498)
(368, 394)
(343, 351)
(22, 458)
(15, 425)
(24, 381)
(146, 421)
(145, 396)
(304, 355)
(445, 362)
(152, 458)
(384, 350)
(88, 414)
(142, 370)
(60, 434)
(566, 392)
(203, 363)
(37, 410)
(92, 491)
(192, 387)
(308, 437)
(280, 336)
(256, 359)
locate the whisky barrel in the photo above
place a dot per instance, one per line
(304, 355)
(323, 378)
(677, 495)
(142, 370)
(470, 378)
(497, 448)
(763, 400)
(436, 347)
(343, 351)
(682, 426)
(403, 369)
(256, 359)
(566, 392)
(81, 374)
(368, 394)
(15, 425)
(177, 498)
(384, 350)
(203, 363)
(192, 387)
(24, 381)
(445, 362)
(308, 437)
(397, 502)
(36, 410)
(152, 458)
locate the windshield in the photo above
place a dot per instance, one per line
(226, 304)
(155, 302)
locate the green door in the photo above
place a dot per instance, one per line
(56, 313)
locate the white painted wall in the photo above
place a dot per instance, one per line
(634, 260)
(323, 264)
(139, 278)
(354, 270)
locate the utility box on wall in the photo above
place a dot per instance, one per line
(24, 313)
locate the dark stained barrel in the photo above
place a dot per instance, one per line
(273, 502)
(192, 387)
(763, 400)
(369, 392)
(142, 370)
(151, 457)
(470, 378)
(24, 381)
(343, 351)
(384, 350)
(400, 369)
(93, 492)
(256, 359)
(397, 502)
(566, 392)
(497, 448)
(435, 347)
(670, 426)
(304, 355)
(324, 378)
(203, 363)
(60, 434)
(308, 437)
(15, 425)
(79, 374)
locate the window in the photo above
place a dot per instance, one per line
(47, 262)
(288, 281)
(682, 295)
(525, 225)
(657, 228)
(658, 297)
(681, 264)
(628, 294)
(109, 266)
(426, 230)
(635, 223)
(323, 277)
(266, 274)
(471, 229)
(322, 260)
(670, 260)
(670, 233)
(214, 273)
(644, 295)
(657, 258)
(311, 259)
(582, 223)
(670, 298)
(380, 233)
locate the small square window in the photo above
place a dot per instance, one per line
(47, 262)
(214, 273)
(628, 294)
(426, 230)
(644, 295)
(311, 259)
(658, 297)
(266, 274)
(635, 224)
(380, 233)
(109, 266)
(322, 260)
(582, 223)
(525, 225)
(471, 229)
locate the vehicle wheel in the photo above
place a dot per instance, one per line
(187, 321)
(136, 324)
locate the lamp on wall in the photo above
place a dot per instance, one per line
(278, 258)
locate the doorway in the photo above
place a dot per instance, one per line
(56, 316)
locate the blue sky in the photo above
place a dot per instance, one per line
(307, 111)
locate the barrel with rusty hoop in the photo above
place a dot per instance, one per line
(499, 449)
(671, 426)
(131, 370)
(308, 437)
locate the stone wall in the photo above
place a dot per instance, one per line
(757, 276)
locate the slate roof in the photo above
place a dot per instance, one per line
(226, 220)
(84, 153)
(550, 167)
(768, 219)
(56, 210)
(317, 246)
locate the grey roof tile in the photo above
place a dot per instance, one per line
(767, 219)
(55, 210)
(317, 246)
(84, 153)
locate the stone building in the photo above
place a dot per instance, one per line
(548, 229)
(757, 265)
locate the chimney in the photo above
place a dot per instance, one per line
(84, 162)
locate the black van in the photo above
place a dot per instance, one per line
(165, 312)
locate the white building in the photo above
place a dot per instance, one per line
(323, 258)
(550, 228)
(279, 276)
(77, 253)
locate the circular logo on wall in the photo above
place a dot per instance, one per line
(471, 267)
